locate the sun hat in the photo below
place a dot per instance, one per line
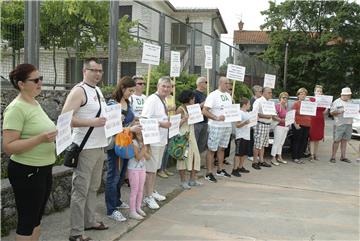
(346, 91)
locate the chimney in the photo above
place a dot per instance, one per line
(241, 25)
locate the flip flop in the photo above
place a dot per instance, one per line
(100, 227)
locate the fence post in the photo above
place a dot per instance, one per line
(113, 42)
(32, 32)
(214, 66)
(162, 35)
(192, 52)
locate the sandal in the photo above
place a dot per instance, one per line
(100, 227)
(345, 160)
(332, 160)
(79, 238)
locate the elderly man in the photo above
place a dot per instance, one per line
(262, 129)
(201, 127)
(155, 107)
(84, 99)
(219, 131)
(257, 91)
(342, 125)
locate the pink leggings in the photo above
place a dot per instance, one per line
(137, 180)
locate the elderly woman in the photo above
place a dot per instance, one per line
(300, 129)
(28, 136)
(317, 125)
(280, 131)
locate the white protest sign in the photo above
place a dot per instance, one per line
(324, 101)
(290, 117)
(113, 123)
(151, 54)
(232, 113)
(208, 56)
(269, 81)
(308, 108)
(175, 64)
(268, 108)
(195, 114)
(235, 72)
(253, 117)
(63, 127)
(150, 131)
(175, 125)
(351, 110)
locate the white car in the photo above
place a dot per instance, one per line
(356, 127)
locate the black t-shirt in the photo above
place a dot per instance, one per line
(199, 98)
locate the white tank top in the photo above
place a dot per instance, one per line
(89, 110)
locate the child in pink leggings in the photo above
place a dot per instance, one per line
(136, 174)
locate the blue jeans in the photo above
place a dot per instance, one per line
(114, 179)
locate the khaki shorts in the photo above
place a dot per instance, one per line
(342, 132)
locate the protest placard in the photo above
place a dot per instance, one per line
(113, 124)
(269, 81)
(351, 110)
(63, 126)
(151, 54)
(235, 72)
(175, 125)
(195, 114)
(175, 64)
(253, 117)
(308, 108)
(268, 108)
(232, 113)
(150, 131)
(290, 117)
(208, 56)
(324, 101)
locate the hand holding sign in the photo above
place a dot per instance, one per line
(308, 108)
(63, 137)
(150, 131)
(232, 113)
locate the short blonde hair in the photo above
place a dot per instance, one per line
(318, 87)
(283, 94)
(301, 90)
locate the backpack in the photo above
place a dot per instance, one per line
(177, 146)
(123, 145)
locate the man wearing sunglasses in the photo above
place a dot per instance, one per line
(137, 99)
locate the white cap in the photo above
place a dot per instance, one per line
(346, 91)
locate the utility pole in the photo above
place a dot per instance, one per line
(286, 64)
(113, 42)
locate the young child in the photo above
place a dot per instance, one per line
(242, 139)
(136, 173)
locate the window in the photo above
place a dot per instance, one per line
(73, 71)
(198, 35)
(128, 69)
(197, 70)
(125, 10)
(181, 34)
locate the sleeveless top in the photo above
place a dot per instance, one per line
(89, 110)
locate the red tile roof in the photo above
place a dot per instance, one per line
(251, 37)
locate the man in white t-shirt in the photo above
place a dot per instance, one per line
(219, 131)
(342, 126)
(262, 129)
(155, 107)
(137, 99)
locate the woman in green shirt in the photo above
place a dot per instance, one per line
(28, 136)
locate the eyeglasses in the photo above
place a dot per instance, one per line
(100, 71)
(36, 80)
(142, 83)
(135, 77)
(284, 97)
(205, 82)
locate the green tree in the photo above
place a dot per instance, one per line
(323, 38)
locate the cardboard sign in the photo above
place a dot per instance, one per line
(308, 108)
(113, 123)
(195, 114)
(175, 64)
(268, 108)
(324, 100)
(63, 127)
(175, 125)
(151, 54)
(269, 81)
(232, 113)
(235, 72)
(150, 131)
(253, 117)
(290, 117)
(351, 110)
(208, 57)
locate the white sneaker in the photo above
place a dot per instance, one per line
(135, 215)
(124, 205)
(275, 163)
(250, 158)
(185, 186)
(141, 212)
(151, 203)
(158, 197)
(117, 216)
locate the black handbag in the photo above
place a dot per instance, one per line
(71, 153)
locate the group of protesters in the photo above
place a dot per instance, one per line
(29, 135)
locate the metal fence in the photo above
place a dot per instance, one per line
(60, 60)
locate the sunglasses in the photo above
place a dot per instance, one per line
(284, 97)
(204, 82)
(36, 80)
(100, 71)
(142, 83)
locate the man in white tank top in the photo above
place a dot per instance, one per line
(137, 99)
(83, 100)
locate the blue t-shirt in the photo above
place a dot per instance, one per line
(199, 98)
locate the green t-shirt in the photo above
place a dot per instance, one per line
(31, 121)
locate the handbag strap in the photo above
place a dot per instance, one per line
(88, 133)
